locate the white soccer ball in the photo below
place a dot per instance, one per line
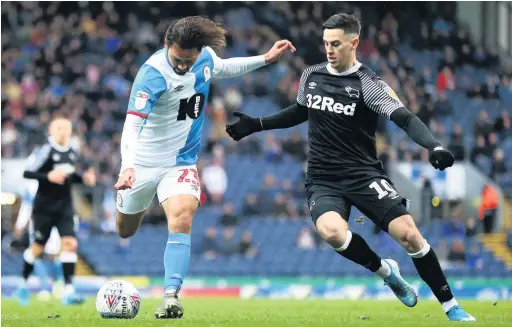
(118, 299)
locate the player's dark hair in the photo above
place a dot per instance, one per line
(59, 115)
(195, 32)
(348, 23)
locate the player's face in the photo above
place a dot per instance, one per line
(61, 131)
(339, 47)
(182, 59)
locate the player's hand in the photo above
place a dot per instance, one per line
(126, 179)
(277, 50)
(89, 177)
(57, 176)
(246, 125)
(440, 158)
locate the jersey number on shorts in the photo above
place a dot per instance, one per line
(184, 174)
(382, 193)
(191, 107)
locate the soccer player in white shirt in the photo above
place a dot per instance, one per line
(162, 135)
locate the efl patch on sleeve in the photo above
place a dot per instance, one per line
(141, 98)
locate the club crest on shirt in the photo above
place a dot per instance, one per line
(352, 93)
(140, 100)
(207, 73)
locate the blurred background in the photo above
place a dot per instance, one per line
(253, 236)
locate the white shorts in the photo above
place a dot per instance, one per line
(164, 182)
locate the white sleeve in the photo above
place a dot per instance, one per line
(24, 215)
(233, 67)
(130, 140)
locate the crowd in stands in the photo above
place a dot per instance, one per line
(81, 57)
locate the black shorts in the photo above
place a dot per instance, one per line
(44, 222)
(372, 192)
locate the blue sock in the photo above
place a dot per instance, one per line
(58, 274)
(40, 271)
(176, 259)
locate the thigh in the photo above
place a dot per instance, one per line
(139, 197)
(324, 197)
(182, 180)
(65, 224)
(52, 247)
(42, 224)
(377, 198)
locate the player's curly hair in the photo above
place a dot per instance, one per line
(195, 32)
(349, 23)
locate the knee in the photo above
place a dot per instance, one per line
(37, 250)
(412, 240)
(123, 231)
(69, 244)
(333, 233)
(181, 222)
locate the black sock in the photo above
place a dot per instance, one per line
(430, 271)
(359, 252)
(68, 269)
(28, 268)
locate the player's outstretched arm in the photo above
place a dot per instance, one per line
(291, 116)
(233, 67)
(440, 158)
(379, 97)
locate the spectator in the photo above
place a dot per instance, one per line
(492, 144)
(228, 245)
(440, 134)
(306, 240)
(471, 228)
(457, 253)
(457, 143)
(267, 193)
(215, 181)
(498, 165)
(479, 149)
(272, 149)
(490, 90)
(296, 147)
(445, 80)
(502, 125)
(282, 208)
(443, 106)
(209, 244)
(488, 208)
(482, 125)
(251, 207)
(454, 228)
(228, 218)
(247, 247)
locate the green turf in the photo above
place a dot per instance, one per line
(259, 313)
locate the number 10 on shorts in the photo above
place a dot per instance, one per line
(383, 192)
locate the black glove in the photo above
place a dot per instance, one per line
(440, 158)
(246, 125)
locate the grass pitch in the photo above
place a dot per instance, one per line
(260, 313)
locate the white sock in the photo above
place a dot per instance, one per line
(68, 289)
(384, 270)
(448, 305)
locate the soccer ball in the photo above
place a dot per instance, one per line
(118, 299)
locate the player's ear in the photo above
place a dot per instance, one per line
(355, 43)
